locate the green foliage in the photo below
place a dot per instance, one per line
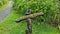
(2, 2)
(48, 7)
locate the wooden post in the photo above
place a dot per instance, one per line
(29, 24)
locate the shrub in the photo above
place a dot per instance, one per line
(48, 7)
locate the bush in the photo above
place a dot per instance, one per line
(48, 7)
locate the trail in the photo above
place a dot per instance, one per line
(7, 10)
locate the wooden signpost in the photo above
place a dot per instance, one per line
(28, 16)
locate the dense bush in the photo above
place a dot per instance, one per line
(48, 7)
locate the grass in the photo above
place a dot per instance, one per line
(3, 6)
(9, 26)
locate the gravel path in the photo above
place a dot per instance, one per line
(6, 11)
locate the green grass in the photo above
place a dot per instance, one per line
(9, 26)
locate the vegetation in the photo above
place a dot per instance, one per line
(3, 3)
(48, 7)
(51, 12)
(9, 26)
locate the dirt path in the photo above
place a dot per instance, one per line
(6, 11)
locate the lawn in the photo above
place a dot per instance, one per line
(9, 26)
